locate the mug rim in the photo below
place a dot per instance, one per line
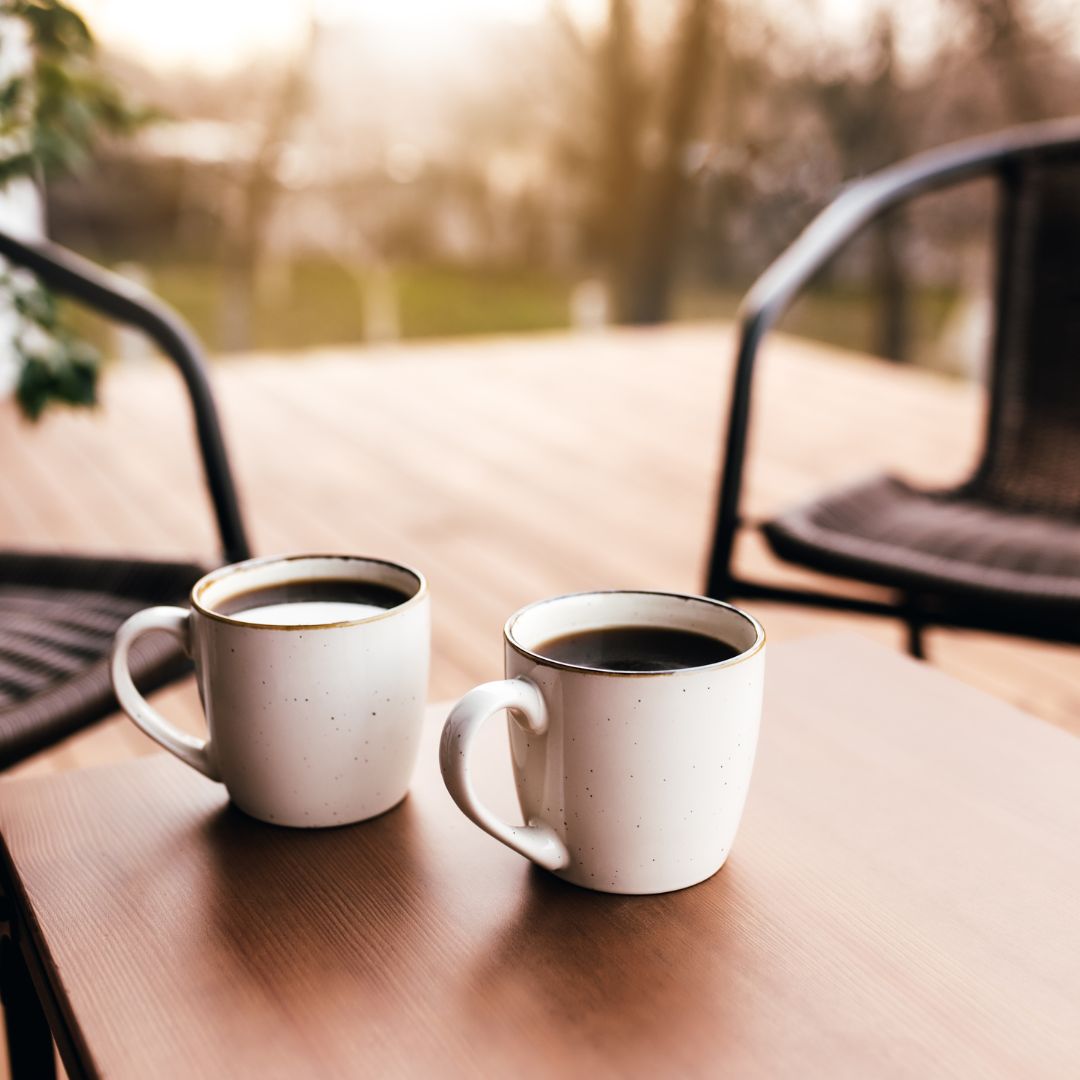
(263, 560)
(546, 661)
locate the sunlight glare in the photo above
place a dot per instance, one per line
(216, 35)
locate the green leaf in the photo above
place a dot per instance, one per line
(54, 27)
(68, 375)
(75, 381)
(32, 389)
(36, 305)
(12, 95)
(24, 164)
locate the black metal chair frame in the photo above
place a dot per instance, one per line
(857, 206)
(69, 275)
(51, 710)
(29, 1038)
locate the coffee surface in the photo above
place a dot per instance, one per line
(637, 648)
(311, 603)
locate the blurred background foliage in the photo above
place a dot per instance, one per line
(578, 163)
(53, 110)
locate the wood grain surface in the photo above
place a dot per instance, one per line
(901, 903)
(508, 469)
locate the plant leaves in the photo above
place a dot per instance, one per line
(50, 118)
(12, 94)
(68, 374)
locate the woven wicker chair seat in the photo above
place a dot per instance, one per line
(58, 615)
(883, 530)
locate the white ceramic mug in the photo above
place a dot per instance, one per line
(629, 782)
(308, 725)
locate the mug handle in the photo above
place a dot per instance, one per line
(174, 621)
(536, 841)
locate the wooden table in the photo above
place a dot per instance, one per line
(903, 901)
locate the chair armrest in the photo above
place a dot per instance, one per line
(67, 273)
(855, 207)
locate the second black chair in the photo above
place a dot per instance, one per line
(1000, 551)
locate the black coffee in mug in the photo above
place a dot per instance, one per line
(637, 648)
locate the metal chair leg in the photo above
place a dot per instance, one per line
(912, 614)
(29, 1041)
(915, 639)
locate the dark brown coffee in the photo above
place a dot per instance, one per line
(318, 601)
(637, 648)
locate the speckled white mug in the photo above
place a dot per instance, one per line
(308, 725)
(629, 782)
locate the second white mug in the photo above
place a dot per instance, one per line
(629, 781)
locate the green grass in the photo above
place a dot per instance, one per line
(318, 303)
(315, 302)
(438, 302)
(844, 316)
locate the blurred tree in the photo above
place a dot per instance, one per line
(648, 272)
(621, 106)
(254, 190)
(998, 70)
(576, 145)
(632, 153)
(1003, 38)
(870, 129)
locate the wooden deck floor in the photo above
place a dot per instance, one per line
(507, 470)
